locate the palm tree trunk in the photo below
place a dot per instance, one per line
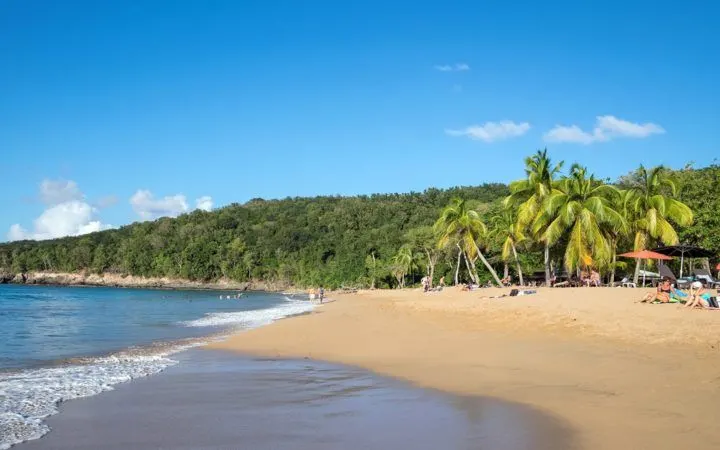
(612, 268)
(506, 269)
(467, 265)
(637, 272)
(547, 264)
(430, 267)
(457, 268)
(488, 266)
(517, 263)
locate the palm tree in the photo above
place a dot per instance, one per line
(615, 233)
(530, 194)
(506, 231)
(582, 206)
(462, 224)
(653, 208)
(403, 263)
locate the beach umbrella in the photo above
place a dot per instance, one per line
(684, 250)
(645, 255)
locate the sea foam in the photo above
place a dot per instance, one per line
(252, 319)
(28, 396)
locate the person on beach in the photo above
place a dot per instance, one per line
(699, 296)
(662, 295)
(425, 282)
(321, 294)
(507, 281)
(441, 283)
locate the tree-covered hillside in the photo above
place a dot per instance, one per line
(578, 221)
(303, 241)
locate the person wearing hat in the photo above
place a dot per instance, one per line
(699, 296)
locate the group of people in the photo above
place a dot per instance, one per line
(697, 296)
(426, 283)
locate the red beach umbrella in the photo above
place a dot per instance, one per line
(646, 254)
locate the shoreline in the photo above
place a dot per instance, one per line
(621, 374)
(214, 399)
(63, 279)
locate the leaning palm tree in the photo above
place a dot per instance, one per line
(581, 206)
(461, 224)
(530, 194)
(506, 230)
(654, 209)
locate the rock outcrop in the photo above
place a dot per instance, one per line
(128, 281)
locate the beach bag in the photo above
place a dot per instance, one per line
(514, 292)
(713, 302)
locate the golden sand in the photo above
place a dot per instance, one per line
(622, 375)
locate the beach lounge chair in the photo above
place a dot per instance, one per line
(706, 278)
(680, 283)
(627, 282)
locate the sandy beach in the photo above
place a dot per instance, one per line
(618, 373)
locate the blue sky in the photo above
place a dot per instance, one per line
(117, 111)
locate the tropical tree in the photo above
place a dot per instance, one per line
(580, 205)
(507, 232)
(425, 240)
(403, 263)
(463, 225)
(654, 208)
(530, 194)
(614, 233)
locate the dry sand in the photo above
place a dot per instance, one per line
(622, 375)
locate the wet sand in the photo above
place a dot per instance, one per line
(620, 374)
(217, 400)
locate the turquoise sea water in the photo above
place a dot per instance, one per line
(59, 343)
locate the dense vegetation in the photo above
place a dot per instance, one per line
(546, 221)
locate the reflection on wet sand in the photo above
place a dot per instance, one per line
(216, 400)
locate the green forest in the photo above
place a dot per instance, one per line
(553, 218)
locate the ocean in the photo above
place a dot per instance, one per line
(62, 343)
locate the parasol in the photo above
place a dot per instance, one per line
(683, 251)
(645, 255)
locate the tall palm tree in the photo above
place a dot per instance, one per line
(614, 233)
(530, 194)
(580, 205)
(462, 224)
(508, 233)
(653, 209)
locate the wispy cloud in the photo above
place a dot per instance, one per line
(492, 131)
(606, 129)
(204, 203)
(459, 67)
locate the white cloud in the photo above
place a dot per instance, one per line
(53, 192)
(492, 131)
(148, 207)
(606, 129)
(70, 218)
(204, 203)
(459, 67)
(68, 214)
